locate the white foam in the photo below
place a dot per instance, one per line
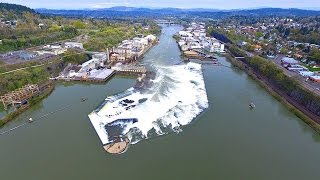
(177, 97)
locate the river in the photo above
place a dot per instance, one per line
(227, 140)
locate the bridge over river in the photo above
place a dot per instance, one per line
(168, 22)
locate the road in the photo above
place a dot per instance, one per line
(314, 87)
(24, 68)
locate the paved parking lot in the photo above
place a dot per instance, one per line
(14, 57)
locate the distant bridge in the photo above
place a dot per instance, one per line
(168, 22)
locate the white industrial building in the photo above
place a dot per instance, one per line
(51, 49)
(74, 45)
(306, 73)
(286, 61)
(195, 37)
(101, 56)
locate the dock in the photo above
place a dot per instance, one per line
(200, 55)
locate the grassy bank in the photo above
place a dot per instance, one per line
(275, 94)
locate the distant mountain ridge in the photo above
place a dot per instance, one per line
(123, 11)
(120, 11)
(125, 8)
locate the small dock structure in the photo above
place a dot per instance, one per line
(198, 54)
(20, 95)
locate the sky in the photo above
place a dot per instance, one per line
(212, 4)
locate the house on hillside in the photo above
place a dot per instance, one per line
(41, 25)
(286, 61)
(101, 56)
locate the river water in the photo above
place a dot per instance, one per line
(226, 141)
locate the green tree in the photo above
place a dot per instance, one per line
(78, 24)
(314, 55)
(75, 57)
(259, 34)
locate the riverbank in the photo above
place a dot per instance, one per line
(47, 90)
(300, 111)
(148, 47)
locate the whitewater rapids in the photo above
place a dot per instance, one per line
(177, 97)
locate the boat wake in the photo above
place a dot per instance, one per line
(177, 97)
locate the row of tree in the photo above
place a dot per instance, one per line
(286, 84)
(75, 57)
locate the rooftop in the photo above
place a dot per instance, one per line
(315, 77)
(289, 60)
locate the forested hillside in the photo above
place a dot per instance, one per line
(21, 27)
(13, 11)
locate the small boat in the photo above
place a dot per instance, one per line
(252, 105)
(83, 99)
(30, 120)
(210, 57)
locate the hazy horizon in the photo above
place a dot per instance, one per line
(184, 4)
